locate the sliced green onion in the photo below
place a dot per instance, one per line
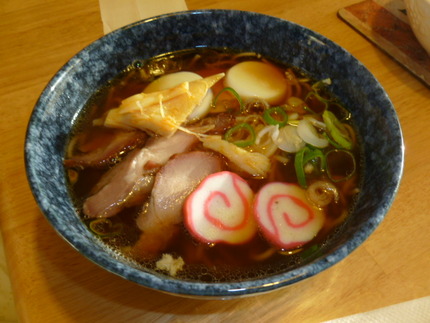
(234, 93)
(299, 165)
(332, 142)
(325, 102)
(313, 251)
(294, 123)
(321, 84)
(339, 110)
(336, 130)
(275, 116)
(105, 228)
(242, 135)
(314, 154)
(348, 172)
(305, 156)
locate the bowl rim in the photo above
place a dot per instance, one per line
(190, 288)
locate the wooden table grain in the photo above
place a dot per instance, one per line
(53, 283)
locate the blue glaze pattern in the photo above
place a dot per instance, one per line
(67, 93)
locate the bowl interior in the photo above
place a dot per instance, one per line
(67, 93)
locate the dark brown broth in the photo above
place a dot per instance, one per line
(212, 263)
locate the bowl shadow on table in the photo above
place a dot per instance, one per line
(73, 279)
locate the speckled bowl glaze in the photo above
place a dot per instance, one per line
(68, 91)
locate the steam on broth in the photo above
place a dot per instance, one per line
(213, 165)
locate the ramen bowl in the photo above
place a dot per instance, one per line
(63, 99)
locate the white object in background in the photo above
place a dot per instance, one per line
(118, 13)
(419, 18)
(415, 311)
(395, 7)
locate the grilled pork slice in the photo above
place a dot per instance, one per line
(104, 149)
(160, 221)
(128, 182)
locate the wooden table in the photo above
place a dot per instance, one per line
(53, 283)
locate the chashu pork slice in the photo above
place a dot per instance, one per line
(104, 152)
(127, 183)
(174, 182)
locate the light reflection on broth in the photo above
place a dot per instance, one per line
(216, 262)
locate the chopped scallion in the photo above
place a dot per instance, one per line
(346, 158)
(104, 227)
(336, 130)
(275, 116)
(299, 167)
(319, 98)
(234, 93)
(303, 157)
(242, 135)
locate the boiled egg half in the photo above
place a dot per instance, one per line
(171, 80)
(254, 79)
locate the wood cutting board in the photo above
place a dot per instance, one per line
(385, 23)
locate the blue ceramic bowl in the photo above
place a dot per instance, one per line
(67, 93)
